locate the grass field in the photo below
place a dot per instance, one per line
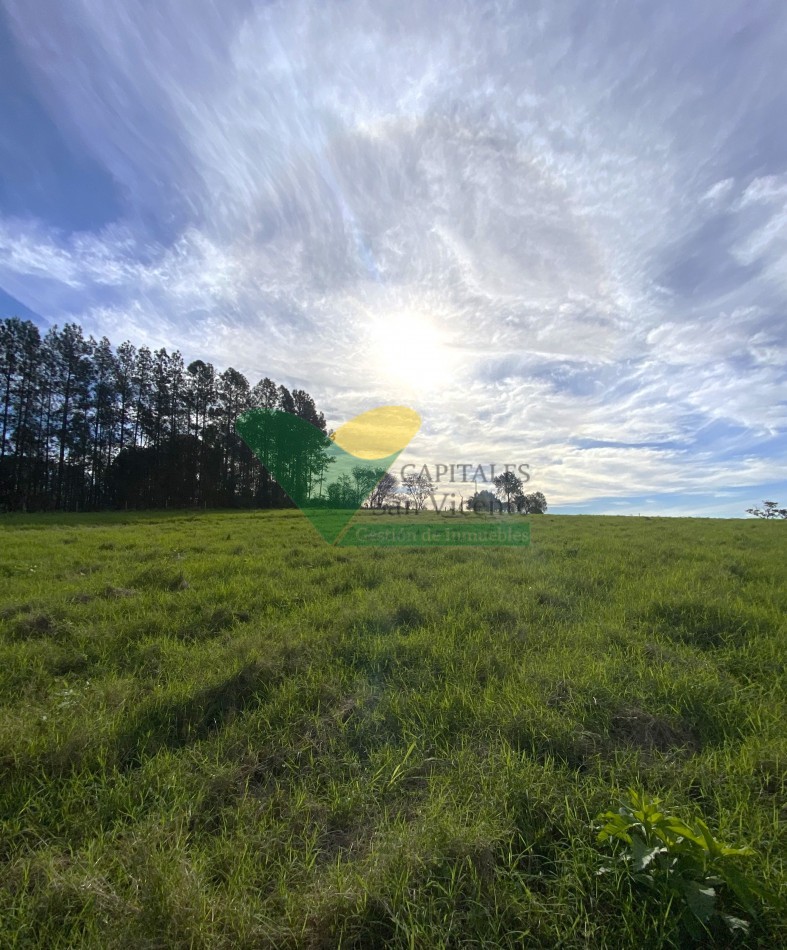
(218, 731)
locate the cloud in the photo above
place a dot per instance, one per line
(585, 208)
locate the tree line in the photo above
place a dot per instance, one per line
(86, 426)
(509, 496)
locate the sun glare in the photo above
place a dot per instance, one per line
(409, 350)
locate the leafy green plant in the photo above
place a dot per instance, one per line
(689, 868)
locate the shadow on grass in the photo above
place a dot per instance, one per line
(703, 625)
(175, 723)
(167, 723)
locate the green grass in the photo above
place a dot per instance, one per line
(218, 731)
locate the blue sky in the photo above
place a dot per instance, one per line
(557, 230)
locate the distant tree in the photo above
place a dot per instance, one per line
(234, 398)
(265, 395)
(286, 402)
(507, 486)
(532, 504)
(383, 490)
(418, 487)
(770, 509)
(342, 492)
(365, 478)
(305, 408)
(483, 501)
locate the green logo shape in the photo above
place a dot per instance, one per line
(328, 478)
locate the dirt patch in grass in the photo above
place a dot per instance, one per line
(118, 593)
(67, 662)
(82, 598)
(222, 618)
(40, 624)
(632, 726)
(215, 621)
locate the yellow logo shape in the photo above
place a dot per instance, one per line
(378, 433)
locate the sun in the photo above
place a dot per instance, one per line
(409, 350)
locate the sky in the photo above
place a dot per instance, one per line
(557, 230)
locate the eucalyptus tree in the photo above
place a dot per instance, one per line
(418, 487)
(508, 486)
(384, 490)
